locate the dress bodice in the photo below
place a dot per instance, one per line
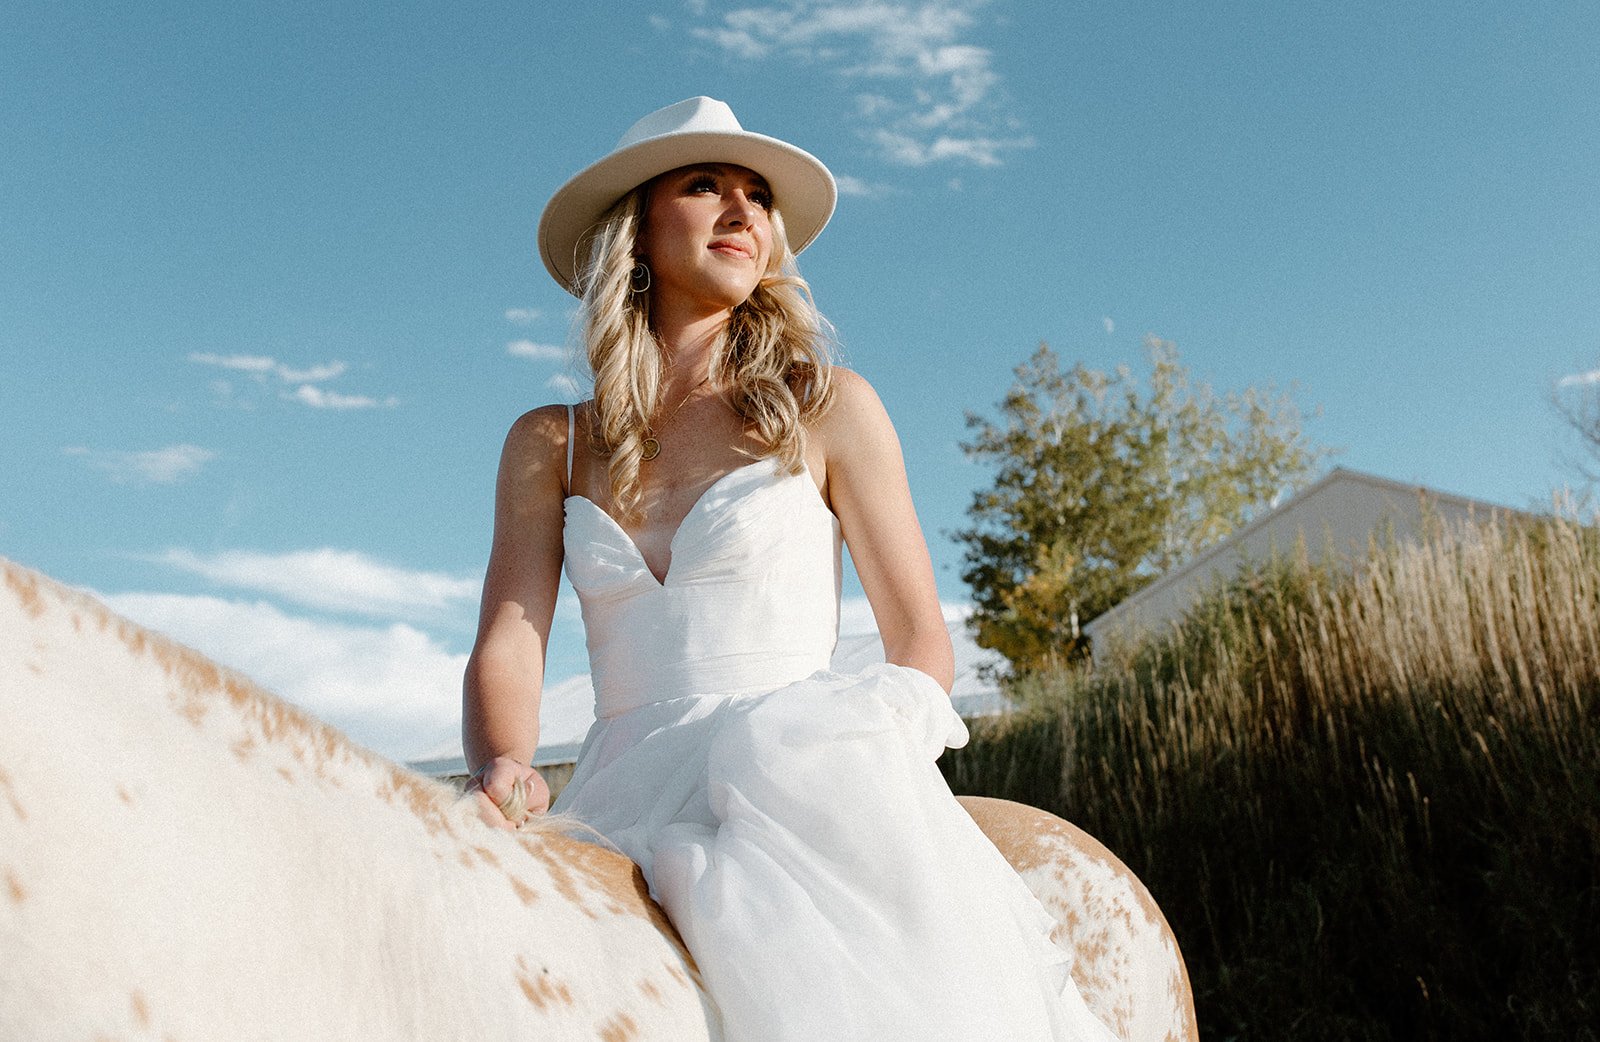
(750, 600)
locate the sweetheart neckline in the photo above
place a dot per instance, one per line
(672, 544)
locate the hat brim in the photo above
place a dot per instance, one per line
(802, 189)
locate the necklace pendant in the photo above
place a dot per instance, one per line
(652, 449)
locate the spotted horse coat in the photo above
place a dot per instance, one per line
(185, 858)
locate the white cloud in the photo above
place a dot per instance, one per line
(331, 580)
(1580, 379)
(737, 41)
(1111, 327)
(163, 466)
(264, 369)
(392, 688)
(870, 105)
(938, 97)
(901, 148)
(317, 398)
(243, 363)
(538, 352)
(563, 385)
(909, 150)
(316, 374)
(957, 61)
(855, 186)
(263, 366)
(523, 316)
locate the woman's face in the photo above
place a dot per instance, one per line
(707, 235)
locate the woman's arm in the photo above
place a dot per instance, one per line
(505, 673)
(865, 484)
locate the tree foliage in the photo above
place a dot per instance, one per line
(1101, 484)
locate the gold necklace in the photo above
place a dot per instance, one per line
(651, 446)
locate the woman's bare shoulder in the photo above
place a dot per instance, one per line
(538, 431)
(854, 434)
(855, 408)
(535, 446)
(851, 396)
(849, 384)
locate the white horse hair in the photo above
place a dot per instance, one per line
(186, 857)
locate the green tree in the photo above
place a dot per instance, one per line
(1101, 484)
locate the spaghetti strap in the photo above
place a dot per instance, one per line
(571, 429)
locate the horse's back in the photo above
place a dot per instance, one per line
(1126, 961)
(185, 855)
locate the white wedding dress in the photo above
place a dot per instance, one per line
(791, 820)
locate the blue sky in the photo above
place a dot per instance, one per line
(269, 297)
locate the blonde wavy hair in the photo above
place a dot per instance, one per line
(775, 359)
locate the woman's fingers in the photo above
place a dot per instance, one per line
(491, 789)
(515, 804)
(490, 813)
(508, 793)
(538, 793)
(495, 781)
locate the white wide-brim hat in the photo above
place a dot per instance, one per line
(699, 130)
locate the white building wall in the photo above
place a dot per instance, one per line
(1339, 514)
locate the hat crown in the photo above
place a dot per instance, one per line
(696, 115)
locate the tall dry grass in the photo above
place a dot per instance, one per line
(1369, 803)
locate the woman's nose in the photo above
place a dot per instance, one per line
(737, 214)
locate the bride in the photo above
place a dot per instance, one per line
(790, 820)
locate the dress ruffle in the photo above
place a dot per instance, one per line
(816, 864)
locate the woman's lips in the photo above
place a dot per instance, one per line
(730, 247)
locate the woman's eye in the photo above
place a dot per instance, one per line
(762, 199)
(703, 184)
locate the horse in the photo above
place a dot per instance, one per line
(186, 857)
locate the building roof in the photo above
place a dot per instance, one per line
(1347, 505)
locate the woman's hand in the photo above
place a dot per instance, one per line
(493, 787)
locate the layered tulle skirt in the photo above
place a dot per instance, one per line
(817, 866)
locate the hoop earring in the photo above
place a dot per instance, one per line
(639, 277)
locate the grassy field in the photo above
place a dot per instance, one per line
(1368, 803)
